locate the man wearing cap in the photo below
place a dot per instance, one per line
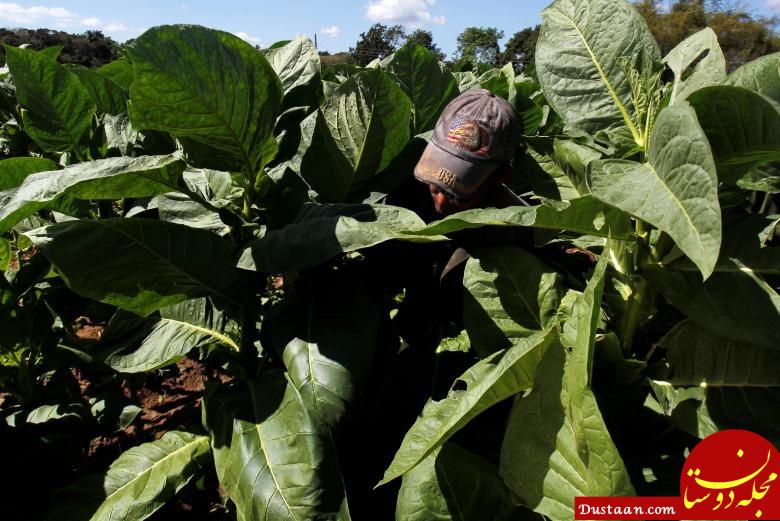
(463, 166)
(467, 160)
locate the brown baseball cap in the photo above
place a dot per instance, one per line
(477, 132)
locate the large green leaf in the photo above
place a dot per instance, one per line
(140, 265)
(428, 86)
(327, 338)
(761, 75)
(356, 134)
(702, 52)
(581, 57)
(113, 178)
(133, 344)
(510, 294)
(296, 63)
(584, 215)
(676, 190)
(270, 457)
(735, 303)
(486, 383)
(15, 170)
(213, 90)
(737, 384)
(58, 110)
(321, 232)
(143, 478)
(109, 97)
(743, 128)
(453, 484)
(556, 445)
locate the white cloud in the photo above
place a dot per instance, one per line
(333, 31)
(774, 5)
(249, 38)
(115, 27)
(91, 22)
(407, 12)
(184, 7)
(35, 15)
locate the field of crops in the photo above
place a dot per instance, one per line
(229, 226)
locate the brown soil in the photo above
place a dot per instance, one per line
(86, 330)
(169, 401)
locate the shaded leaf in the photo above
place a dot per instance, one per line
(510, 294)
(734, 303)
(697, 357)
(120, 71)
(108, 96)
(743, 248)
(743, 128)
(160, 263)
(321, 232)
(486, 383)
(453, 484)
(718, 384)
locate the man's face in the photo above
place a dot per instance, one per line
(447, 205)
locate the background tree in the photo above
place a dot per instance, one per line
(425, 38)
(742, 35)
(521, 48)
(91, 49)
(480, 44)
(378, 42)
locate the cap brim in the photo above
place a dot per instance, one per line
(455, 176)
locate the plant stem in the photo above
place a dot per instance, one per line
(639, 288)
(765, 204)
(105, 210)
(249, 195)
(248, 332)
(633, 313)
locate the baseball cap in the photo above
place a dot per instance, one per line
(476, 133)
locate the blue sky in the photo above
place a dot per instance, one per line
(337, 23)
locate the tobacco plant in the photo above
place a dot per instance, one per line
(240, 206)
